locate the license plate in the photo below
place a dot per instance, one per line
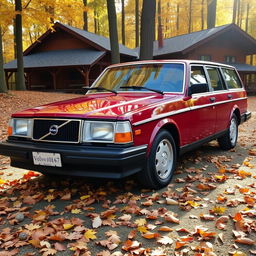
(46, 159)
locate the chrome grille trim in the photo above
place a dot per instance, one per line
(41, 139)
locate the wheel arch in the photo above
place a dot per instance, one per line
(169, 125)
(236, 112)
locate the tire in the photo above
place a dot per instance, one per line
(228, 140)
(161, 162)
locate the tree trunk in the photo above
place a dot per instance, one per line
(123, 23)
(85, 17)
(234, 11)
(3, 87)
(190, 17)
(211, 13)
(247, 18)
(137, 24)
(178, 19)
(20, 81)
(202, 15)
(95, 13)
(238, 12)
(146, 30)
(160, 32)
(115, 55)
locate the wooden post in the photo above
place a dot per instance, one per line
(7, 80)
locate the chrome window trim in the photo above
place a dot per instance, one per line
(56, 141)
(22, 136)
(175, 112)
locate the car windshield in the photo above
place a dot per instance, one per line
(167, 77)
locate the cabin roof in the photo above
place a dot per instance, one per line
(61, 58)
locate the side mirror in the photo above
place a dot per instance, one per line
(198, 88)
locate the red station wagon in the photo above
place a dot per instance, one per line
(136, 118)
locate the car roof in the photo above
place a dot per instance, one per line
(171, 61)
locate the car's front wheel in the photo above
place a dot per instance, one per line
(229, 139)
(161, 162)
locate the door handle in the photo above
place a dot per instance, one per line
(212, 99)
(230, 96)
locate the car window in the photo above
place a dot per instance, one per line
(198, 81)
(167, 77)
(215, 78)
(231, 78)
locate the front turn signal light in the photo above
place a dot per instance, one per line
(123, 132)
(125, 137)
(9, 131)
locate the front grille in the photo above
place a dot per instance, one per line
(67, 130)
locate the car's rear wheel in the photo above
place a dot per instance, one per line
(229, 139)
(161, 162)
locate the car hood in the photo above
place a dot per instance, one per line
(95, 106)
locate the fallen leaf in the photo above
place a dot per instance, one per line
(90, 234)
(165, 240)
(150, 235)
(245, 240)
(96, 222)
(76, 211)
(68, 226)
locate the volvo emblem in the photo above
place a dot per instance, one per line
(53, 130)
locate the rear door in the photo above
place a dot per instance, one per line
(203, 114)
(221, 97)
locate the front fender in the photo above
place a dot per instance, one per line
(157, 128)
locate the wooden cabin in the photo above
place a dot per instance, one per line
(226, 44)
(67, 58)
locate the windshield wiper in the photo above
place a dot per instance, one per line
(141, 88)
(99, 89)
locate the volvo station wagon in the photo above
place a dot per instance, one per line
(137, 118)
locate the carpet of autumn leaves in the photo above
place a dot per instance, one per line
(208, 209)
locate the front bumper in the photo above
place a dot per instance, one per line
(245, 116)
(78, 160)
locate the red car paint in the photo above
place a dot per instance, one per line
(196, 114)
(137, 107)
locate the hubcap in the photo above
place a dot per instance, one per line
(164, 159)
(233, 131)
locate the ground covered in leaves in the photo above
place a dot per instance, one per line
(208, 209)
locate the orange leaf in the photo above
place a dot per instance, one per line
(180, 244)
(132, 234)
(238, 217)
(150, 235)
(244, 190)
(165, 229)
(245, 240)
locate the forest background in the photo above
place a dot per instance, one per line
(176, 17)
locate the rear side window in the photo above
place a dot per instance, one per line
(215, 78)
(231, 78)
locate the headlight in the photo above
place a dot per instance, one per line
(97, 131)
(20, 127)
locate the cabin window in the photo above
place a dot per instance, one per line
(205, 57)
(230, 59)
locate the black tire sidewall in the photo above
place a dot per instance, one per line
(150, 168)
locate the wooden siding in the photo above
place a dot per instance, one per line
(61, 40)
